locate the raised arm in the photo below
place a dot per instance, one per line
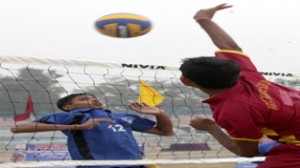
(163, 126)
(42, 127)
(219, 37)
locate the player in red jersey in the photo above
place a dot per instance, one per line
(243, 102)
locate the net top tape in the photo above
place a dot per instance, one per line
(81, 63)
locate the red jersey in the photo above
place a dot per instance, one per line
(255, 107)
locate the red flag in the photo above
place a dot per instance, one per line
(29, 109)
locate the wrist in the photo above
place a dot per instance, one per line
(160, 112)
(213, 127)
(202, 19)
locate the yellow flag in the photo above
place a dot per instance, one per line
(149, 95)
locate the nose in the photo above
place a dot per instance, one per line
(95, 99)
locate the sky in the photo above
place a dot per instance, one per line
(267, 30)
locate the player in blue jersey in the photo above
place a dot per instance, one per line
(98, 134)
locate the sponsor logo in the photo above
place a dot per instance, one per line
(277, 74)
(143, 66)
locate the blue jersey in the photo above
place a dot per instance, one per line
(106, 141)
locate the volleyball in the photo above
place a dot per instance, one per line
(123, 25)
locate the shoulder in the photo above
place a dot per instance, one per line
(230, 53)
(239, 57)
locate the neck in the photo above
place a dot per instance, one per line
(211, 92)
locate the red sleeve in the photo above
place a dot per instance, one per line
(241, 58)
(247, 67)
(239, 123)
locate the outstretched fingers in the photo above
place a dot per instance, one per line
(144, 108)
(222, 6)
(210, 12)
(137, 106)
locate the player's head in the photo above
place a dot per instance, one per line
(79, 100)
(209, 72)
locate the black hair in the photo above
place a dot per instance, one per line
(68, 99)
(211, 72)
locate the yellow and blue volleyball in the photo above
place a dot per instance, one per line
(123, 25)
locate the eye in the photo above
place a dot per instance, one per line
(83, 99)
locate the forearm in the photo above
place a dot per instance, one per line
(224, 140)
(41, 127)
(219, 37)
(164, 123)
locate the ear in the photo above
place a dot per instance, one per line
(67, 107)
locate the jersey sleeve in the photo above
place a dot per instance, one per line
(140, 124)
(248, 69)
(240, 123)
(57, 118)
(239, 57)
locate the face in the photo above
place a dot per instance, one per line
(85, 101)
(185, 81)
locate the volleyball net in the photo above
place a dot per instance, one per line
(30, 87)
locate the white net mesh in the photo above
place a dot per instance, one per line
(44, 81)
